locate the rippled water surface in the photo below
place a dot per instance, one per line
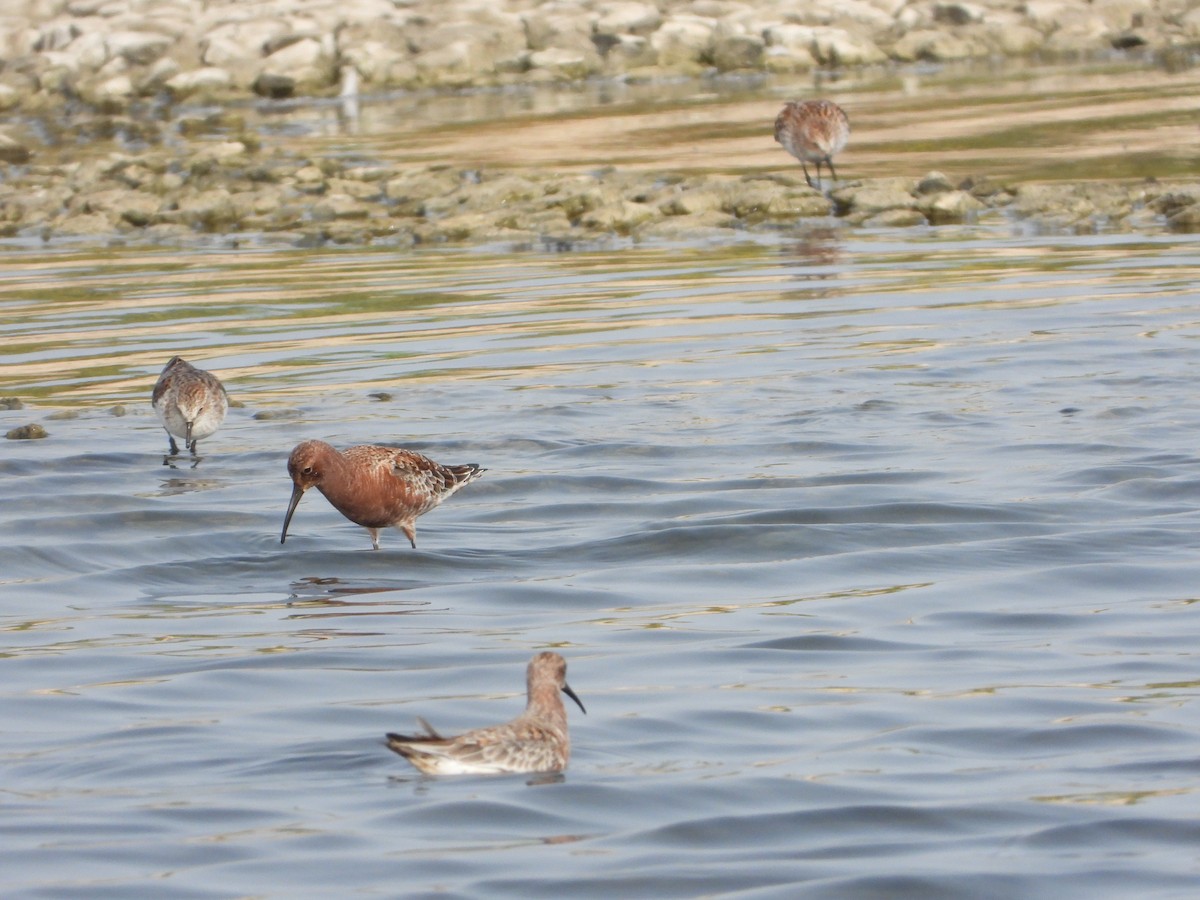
(873, 556)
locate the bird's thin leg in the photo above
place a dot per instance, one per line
(410, 531)
(174, 446)
(806, 175)
(832, 170)
(374, 538)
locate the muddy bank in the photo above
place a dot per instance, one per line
(233, 188)
(103, 139)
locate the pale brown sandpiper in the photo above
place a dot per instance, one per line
(535, 741)
(190, 403)
(813, 131)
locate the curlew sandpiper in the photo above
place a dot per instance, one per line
(190, 403)
(374, 486)
(813, 131)
(535, 741)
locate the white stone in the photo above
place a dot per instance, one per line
(374, 60)
(565, 63)
(236, 43)
(1080, 32)
(221, 150)
(1045, 13)
(836, 46)
(556, 31)
(789, 36)
(950, 205)
(89, 50)
(1190, 22)
(119, 88)
(294, 58)
(931, 45)
(890, 7)
(1014, 40)
(627, 18)
(784, 59)
(206, 79)
(858, 12)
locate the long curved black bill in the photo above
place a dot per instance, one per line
(566, 689)
(297, 493)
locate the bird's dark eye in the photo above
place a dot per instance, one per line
(307, 470)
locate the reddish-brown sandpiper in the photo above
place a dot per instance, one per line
(374, 486)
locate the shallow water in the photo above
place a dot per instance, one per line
(873, 556)
(1123, 117)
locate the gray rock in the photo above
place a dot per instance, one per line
(274, 85)
(13, 151)
(628, 51)
(934, 183)
(89, 224)
(895, 218)
(697, 226)
(694, 200)
(623, 217)
(31, 432)
(10, 97)
(210, 210)
(933, 46)
(957, 12)
(949, 206)
(138, 209)
(340, 206)
(138, 47)
(736, 51)
(552, 221)
(55, 36)
(875, 197)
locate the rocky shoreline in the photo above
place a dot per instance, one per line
(226, 190)
(112, 54)
(129, 63)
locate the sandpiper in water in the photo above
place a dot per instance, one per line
(190, 402)
(535, 741)
(813, 131)
(374, 486)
